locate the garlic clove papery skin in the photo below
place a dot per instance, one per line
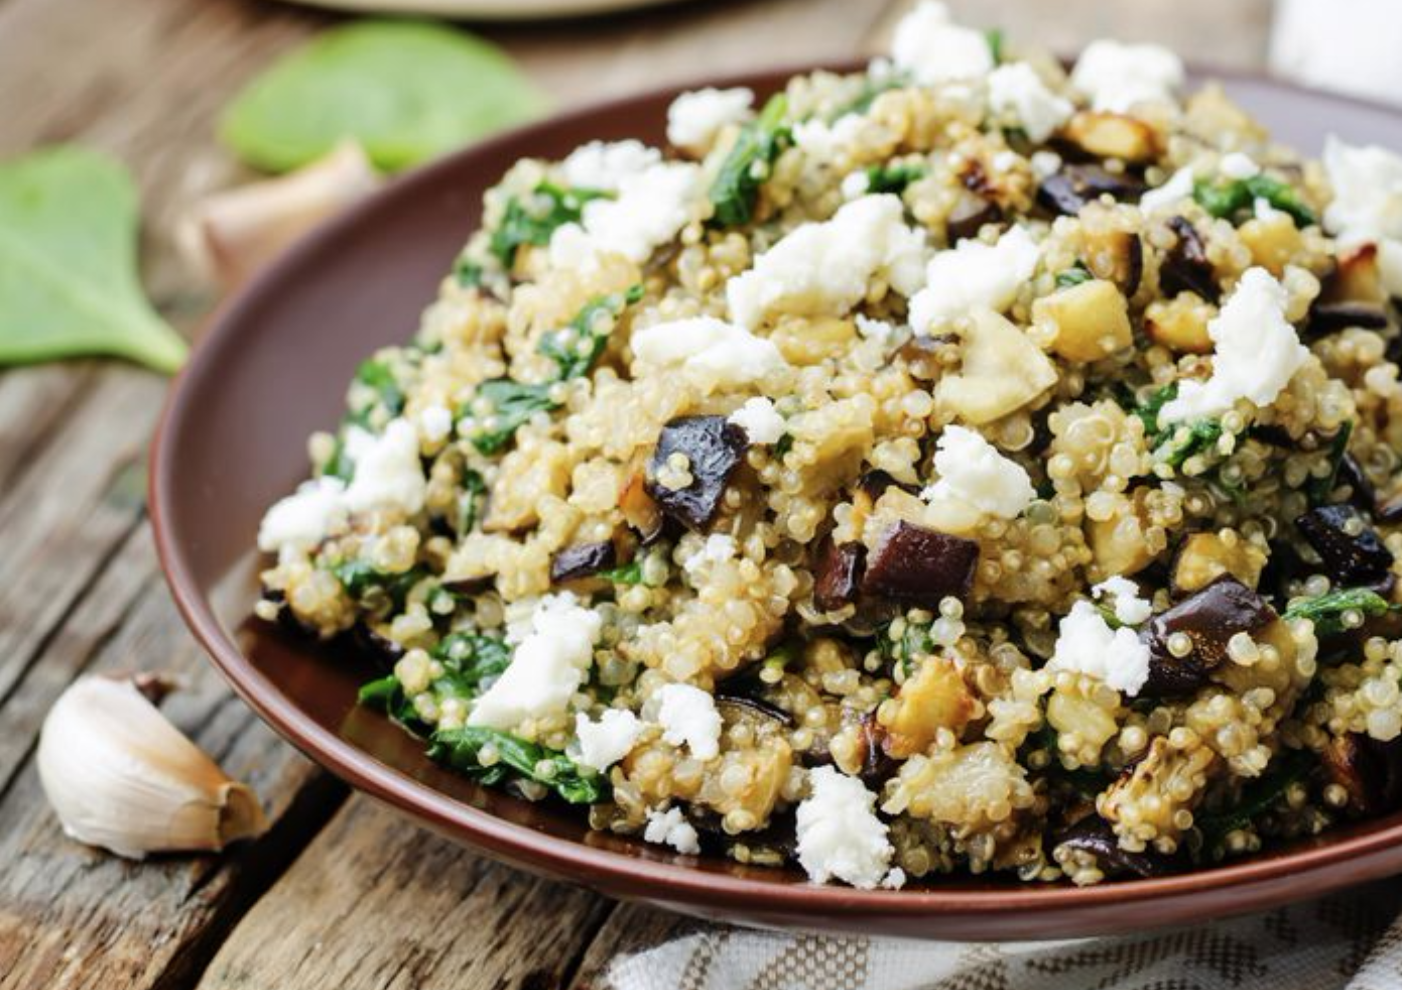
(122, 777)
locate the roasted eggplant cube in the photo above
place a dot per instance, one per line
(582, 560)
(1209, 619)
(970, 215)
(712, 449)
(1185, 267)
(839, 576)
(1349, 549)
(918, 566)
(1094, 836)
(1069, 190)
(1331, 317)
(1369, 771)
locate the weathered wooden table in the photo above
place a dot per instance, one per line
(340, 893)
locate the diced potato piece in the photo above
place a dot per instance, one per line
(1110, 248)
(1180, 323)
(1068, 713)
(1091, 320)
(808, 340)
(934, 698)
(1207, 556)
(1118, 543)
(1003, 370)
(1112, 135)
(1357, 277)
(1273, 243)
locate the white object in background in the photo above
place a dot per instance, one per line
(489, 10)
(1349, 46)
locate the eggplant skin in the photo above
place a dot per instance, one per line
(918, 566)
(582, 560)
(1210, 618)
(1369, 771)
(1070, 190)
(1093, 834)
(714, 448)
(1185, 267)
(1350, 560)
(839, 576)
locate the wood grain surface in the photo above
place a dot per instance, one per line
(341, 894)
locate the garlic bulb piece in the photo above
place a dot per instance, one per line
(122, 777)
(231, 234)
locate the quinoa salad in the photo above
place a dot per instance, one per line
(964, 466)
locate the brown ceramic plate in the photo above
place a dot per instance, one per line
(273, 368)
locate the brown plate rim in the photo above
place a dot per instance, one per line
(1256, 883)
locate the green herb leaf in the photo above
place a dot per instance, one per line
(631, 573)
(405, 90)
(995, 40)
(1148, 411)
(512, 404)
(360, 579)
(1073, 276)
(68, 278)
(377, 376)
(1199, 437)
(913, 640)
(1319, 489)
(533, 220)
(576, 348)
(461, 750)
(1228, 200)
(1256, 799)
(893, 178)
(747, 166)
(467, 274)
(469, 661)
(387, 695)
(469, 502)
(1327, 611)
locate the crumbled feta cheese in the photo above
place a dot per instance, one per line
(547, 667)
(604, 165)
(1088, 645)
(436, 423)
(972, 471)
(1367, 204)
(1117, 76)
(827, 268)
(605, 742)
(882, 331)
(894, 880)
(1017, 93)
(839, 834)
(302, 520)
(718, 548)
(695, 118)
(711, 352)
(1129, 607)
(688, 717)
(388, 472)
(824, 141)
(651, 207)
(1256, 352)
(670, 828)
(974, 275)
(933, 49)
(1235, 165)
(855, 184)
(1045, 163)
(1167, 196)
(760, 420)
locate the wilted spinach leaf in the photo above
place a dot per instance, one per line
(575, 348)
(1327, 611)
(533, 220)
(512, 404)
(461, 750)
(747, 165)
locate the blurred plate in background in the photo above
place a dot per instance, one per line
(502, 10)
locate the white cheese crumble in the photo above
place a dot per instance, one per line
(688, 717)
(1367, 204)
(933, 49)
(827, 268)
(1256, 352)
(436, 423)
(1130, 609)
(305, 518)
(974, 275)
(547, 667)
(824, 141)
(651, 207)
(1088, 645)
(670, 828)
(1045, 163)
(839, 834)
(1117, 76)
(604, 165)
(1167, 196)
(718, 548)
(709, 351)
(855, 184)
(760, 420)
(1236, 165)
(695, 119)
(971, 470)
(1017, 93)
(388, 472)
(605, 742)
(881, 331)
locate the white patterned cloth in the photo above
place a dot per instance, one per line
(1351, 941)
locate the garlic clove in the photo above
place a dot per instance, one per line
(229, 235)
(122, 777)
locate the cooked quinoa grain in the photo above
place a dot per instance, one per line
(957, 466)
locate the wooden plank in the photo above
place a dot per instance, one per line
(34, 402)
(631, 928)
(71, 917)
(378, 904)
